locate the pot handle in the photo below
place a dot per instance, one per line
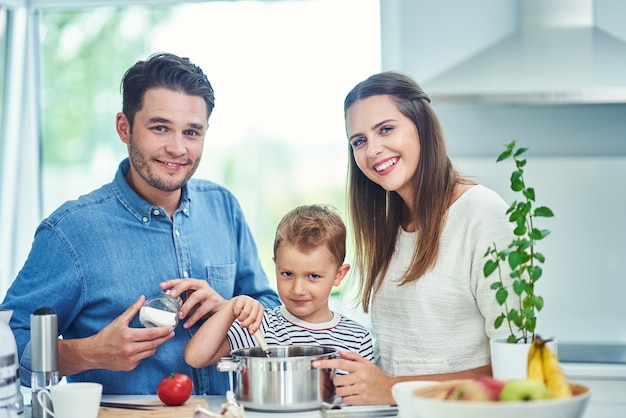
(228, 364)
(332, 372)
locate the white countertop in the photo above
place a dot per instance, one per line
(214, 402)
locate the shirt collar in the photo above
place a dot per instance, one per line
(135, 204)
(308, 325)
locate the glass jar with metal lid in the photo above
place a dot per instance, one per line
(160, 311)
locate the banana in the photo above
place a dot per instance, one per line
(555, 379)
(535, 361)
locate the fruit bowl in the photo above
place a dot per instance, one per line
(429, 402)
(403, 394)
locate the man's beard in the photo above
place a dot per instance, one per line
(141, 163)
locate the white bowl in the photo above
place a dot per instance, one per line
(403, 394)
(429, 403)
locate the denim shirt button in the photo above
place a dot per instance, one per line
(156, 212)
(185, 274)
(177, 232)
(145, 219)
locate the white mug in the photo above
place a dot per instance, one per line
(72, 400)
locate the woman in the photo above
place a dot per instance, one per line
(421, 233)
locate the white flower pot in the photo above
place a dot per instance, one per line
(510, 361)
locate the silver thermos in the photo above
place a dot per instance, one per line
(44, 358)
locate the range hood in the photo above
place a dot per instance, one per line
(558, 55)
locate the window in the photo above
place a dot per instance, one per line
(280, 70)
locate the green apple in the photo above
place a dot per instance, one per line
(524, 390)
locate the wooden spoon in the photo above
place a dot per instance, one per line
(258, 336)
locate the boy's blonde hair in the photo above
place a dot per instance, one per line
(308, 227)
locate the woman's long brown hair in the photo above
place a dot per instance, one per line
(375, 214)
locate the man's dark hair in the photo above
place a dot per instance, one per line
(163, 70)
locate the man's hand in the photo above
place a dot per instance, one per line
(201, 300)
(115, 347)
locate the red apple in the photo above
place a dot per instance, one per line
(494, 386)
(471, 390)
(484, 388)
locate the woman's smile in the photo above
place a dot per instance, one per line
(386, 165)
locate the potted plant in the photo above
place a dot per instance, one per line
(523, 261)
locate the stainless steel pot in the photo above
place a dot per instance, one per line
(284, 380)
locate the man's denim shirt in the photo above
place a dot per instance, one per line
(93, 257)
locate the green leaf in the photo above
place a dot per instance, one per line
(515, 259)
(544, 211)
(511, 208)
(503, 156)
(538, 302)
(506, 154)
(524, 207)
(514, 215)
(538, 234)
(518, 287)
(539, 257)
(490, 267)
(531, 324)
(495, 285)
(501, 295)
(511, 339)
(498, 322)
(522, 246)
(535, 273)
(520, 230)
(527, 302)
(520, 151)
(529, 313)
(517, 184)
(529, 194)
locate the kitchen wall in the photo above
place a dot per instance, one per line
(577, 171)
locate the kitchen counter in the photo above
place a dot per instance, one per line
(606, 379)
(215, 403)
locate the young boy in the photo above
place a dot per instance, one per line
(309, 251)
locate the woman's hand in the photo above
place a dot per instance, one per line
(365, 383)
(201, 300)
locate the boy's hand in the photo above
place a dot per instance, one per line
(248, 312)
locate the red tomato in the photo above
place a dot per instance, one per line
(175, 389)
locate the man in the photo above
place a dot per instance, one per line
(96, 259)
